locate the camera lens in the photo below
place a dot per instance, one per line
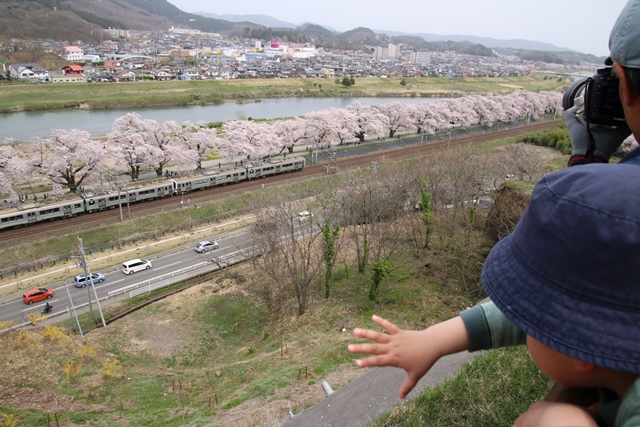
(568, 99)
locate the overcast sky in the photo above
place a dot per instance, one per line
(582, 25)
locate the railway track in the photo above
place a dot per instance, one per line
(345, 162)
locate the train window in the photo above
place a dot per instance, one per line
(77, 205)
(92, 202)
(48, 211)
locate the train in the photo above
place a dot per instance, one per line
(89, 203)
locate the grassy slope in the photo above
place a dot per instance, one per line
(213, 355)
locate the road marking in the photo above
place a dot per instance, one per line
(169, 265)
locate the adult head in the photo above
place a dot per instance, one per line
(567, 275)
(624, 45)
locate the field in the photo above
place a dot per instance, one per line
(32, 97)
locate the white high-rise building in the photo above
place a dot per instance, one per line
(420, 58)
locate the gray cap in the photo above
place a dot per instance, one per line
(624, 41)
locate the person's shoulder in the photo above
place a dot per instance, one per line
(629, 411)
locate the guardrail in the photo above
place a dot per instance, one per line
(186, 273)
(169, 279)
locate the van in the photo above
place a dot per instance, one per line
(135, 265)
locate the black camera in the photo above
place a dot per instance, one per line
(599, 97)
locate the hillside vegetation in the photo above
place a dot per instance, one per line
(235, 349)
(72, 20)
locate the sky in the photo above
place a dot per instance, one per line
(582, 25)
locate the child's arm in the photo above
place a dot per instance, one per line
(413, 351)
(552, 414)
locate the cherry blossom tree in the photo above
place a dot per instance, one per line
(455, 112)
(166, 137)
(398, 115)
(321, 127)
(290, 132)
(131, 146)
(246, 138)
(68, 158)
(346, 125)
(425, 117)
(200, 139)
(369, 121)
(512, 107)
(12, 170)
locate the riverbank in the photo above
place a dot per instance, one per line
(144, 94)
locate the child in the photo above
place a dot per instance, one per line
(565, 282)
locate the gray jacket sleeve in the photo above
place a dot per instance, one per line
(488, 328)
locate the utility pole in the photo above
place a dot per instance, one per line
(128, 208)
(120, 203)
(87, 277)
(73, 312)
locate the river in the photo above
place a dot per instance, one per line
(26, 126)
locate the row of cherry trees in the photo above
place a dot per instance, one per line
(71, 158)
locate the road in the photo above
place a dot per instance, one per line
(169, 267)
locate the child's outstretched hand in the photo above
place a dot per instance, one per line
(413, 351)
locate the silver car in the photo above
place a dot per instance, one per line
(206, 245)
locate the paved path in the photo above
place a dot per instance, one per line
(373, 394)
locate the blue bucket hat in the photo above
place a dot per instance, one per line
(624, 40)
(569, 274)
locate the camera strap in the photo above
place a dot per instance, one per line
(591, 148)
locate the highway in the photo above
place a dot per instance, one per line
(169, 267)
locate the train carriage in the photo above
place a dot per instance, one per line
(148, 193)
(46, 212)
(93, 203)
(55, 211)
(275, 167)
(13, 219)
(230, 176)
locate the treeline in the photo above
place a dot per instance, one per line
(547, 57)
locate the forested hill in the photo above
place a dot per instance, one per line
(72, 20)
(82, 19)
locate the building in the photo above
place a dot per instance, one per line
(389, 53)
(394, 52)
(420, 58)
(29, 71)
(73, 53)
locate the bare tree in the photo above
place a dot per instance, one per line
(370, 204)
(290, 249)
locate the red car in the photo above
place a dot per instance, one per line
(35, 295)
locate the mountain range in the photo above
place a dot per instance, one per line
(83, 20)
(271, 22)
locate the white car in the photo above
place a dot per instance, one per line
(134, 265)
(206, 245)
(304, 215)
